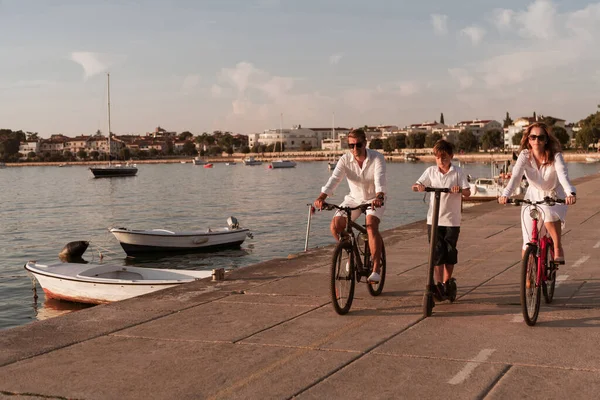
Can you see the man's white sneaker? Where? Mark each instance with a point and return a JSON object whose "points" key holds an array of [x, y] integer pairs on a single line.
{"points": [[374, 277]]}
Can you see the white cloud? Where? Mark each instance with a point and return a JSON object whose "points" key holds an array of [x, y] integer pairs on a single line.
{"points": [[190, 82], [408, 88], [503, 18], [474, 33], [465, 80], [334, 59], [93, 63], [538, 21], [440, 24]]}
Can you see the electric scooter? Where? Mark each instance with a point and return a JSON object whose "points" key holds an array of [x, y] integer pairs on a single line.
{"points": [[428, 301]]}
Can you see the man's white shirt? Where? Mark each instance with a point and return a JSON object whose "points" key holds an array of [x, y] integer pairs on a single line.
{"points": [[364, 182]]}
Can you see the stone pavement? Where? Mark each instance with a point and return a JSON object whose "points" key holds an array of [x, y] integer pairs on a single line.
{"points": [[269, 330]]}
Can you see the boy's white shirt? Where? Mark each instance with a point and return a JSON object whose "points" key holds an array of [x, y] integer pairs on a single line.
{"points": [[450, 213]]}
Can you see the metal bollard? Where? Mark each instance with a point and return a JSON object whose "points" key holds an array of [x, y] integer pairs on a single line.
{"points": [[310, 212], [218, 274]]}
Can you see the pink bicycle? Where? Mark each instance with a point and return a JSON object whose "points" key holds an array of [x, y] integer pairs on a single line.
{"points": [[538, 268]]}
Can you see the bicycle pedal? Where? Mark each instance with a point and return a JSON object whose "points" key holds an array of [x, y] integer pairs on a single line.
{"points": [[560, 262]]}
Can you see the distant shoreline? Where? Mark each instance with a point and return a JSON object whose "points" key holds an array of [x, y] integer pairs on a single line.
{"points": [[308, 156]]}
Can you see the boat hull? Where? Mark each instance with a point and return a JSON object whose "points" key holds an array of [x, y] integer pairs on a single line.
{"points": [[138, 242], [283, 164], [113, 172], [80, 283]]}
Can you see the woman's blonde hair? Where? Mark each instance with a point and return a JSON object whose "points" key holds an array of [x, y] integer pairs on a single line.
{"points": [[551, 146]]}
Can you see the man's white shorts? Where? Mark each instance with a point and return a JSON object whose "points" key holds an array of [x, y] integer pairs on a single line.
{"points": [[378, 212]]}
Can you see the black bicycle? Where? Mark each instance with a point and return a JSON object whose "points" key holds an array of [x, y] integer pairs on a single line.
{"points": [[352, 260]]}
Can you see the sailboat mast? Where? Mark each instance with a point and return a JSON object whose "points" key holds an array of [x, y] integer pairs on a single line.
{"points": [[280, 133], [333, 130], [108, 96]]}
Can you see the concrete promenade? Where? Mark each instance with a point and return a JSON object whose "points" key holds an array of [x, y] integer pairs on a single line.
{"points": [[269, 330]]}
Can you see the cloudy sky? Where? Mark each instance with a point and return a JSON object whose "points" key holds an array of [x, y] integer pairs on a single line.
{"points": [[237, 65]]}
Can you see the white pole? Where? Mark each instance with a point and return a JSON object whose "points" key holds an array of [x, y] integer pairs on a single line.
{"points": [[310, 212], [280, 133], [109, 147]]}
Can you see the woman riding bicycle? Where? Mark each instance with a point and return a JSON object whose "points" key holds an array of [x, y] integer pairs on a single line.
{"points": [[544, 167], [365, 171]]}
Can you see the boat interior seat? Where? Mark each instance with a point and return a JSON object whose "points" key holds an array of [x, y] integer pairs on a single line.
{"points": [[125, 275]]}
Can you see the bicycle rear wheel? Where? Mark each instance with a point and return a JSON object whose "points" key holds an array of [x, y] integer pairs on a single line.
{"points": [[342, 278], [375, 289], [530, 291], [550, 284]]}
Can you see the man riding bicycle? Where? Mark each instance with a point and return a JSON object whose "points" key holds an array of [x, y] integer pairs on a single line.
{"points": [[365, 171]]}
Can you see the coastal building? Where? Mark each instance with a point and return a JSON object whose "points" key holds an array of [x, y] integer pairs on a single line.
{"points": [[77, 144], [297, 138], [479, 126], [29, 146], [54, 145]]}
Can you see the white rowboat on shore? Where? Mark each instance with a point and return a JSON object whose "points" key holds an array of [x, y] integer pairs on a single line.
{"points": [[105, 283]]}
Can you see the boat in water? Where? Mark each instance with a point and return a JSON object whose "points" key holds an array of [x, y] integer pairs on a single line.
{"points": [[198, 161], [592, 160], [110, 170], [208, 165], [282, 164], [251, 161], [105, 283], [136, 242]]}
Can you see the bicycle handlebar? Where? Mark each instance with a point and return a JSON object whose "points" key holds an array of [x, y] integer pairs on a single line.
{"points": [[547, 200], [441, 190], [361, 207]]}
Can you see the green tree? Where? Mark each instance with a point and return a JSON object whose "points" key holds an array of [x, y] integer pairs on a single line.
{"points": [[507, 121], [82, 154], [562, 136], [416, 140], [31, 155], [388, 146], [94, 154], [401, 141], [185, 135], [587, 136], [442, 119], [467, 141], [245, 149], [189, 149], [229, 150], [125, 153], [376, 144], [516, 140], [32, 136], [431, 139], [491, 139], [153, 152]]}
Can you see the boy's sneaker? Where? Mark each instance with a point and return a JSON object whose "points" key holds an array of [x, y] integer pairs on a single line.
{"points": [[451, 289], [439, 292]]}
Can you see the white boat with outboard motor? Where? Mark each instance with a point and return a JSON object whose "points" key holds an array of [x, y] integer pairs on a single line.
{"points": [[105, 283], [135, 241]]}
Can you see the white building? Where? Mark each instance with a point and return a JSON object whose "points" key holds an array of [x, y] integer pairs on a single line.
{"points": [[29, 146], [292, 139], [479, 126]]}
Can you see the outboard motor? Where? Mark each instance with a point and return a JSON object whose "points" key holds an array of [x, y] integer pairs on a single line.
{"points": [[233, 223], [74, 249]]}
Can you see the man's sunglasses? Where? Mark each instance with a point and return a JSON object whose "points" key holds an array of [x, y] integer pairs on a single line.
{"points": [[539, 138], [358, 145]]}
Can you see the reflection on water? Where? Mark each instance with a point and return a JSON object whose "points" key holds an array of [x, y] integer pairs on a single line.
{"points": [[69, 204], [51, 308]]}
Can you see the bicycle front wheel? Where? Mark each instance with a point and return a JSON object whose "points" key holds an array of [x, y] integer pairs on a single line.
{"points": [[375, 289], [342, 278], [530, 290], [550, 284]]}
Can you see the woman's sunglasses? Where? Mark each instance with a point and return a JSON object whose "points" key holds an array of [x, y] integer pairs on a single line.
{"points": [[539, 138], [358, 145]]}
